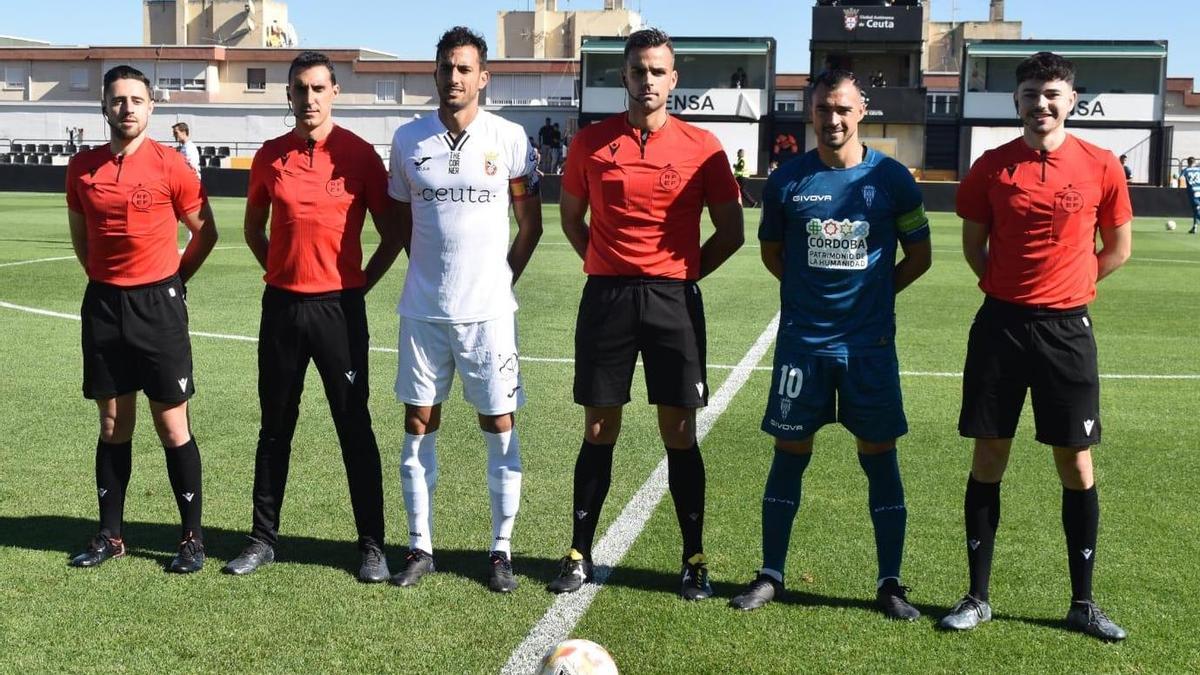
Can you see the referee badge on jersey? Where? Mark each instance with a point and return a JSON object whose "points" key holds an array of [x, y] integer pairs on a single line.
{"points": [[490, 162], [336, 187], [141, 199]]}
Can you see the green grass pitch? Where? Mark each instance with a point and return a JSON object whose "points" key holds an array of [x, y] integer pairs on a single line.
{"points": [[307, 612]]}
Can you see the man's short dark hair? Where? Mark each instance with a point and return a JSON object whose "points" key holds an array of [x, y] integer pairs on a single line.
{"points": [[833, 78], [182, 126], [647, 38], [124, 73], [461, 36], [1191, 160], [310, 59], [1046, 67]]}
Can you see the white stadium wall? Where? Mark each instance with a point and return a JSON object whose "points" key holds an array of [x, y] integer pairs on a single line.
{"points": [[1132, 142], [243, 127]]}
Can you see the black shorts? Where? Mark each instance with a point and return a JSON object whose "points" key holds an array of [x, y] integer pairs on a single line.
{"points": [[137, 338], [1052, 354], [663, 319]]}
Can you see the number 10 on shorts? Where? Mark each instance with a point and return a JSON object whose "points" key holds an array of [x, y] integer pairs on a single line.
{"points": [[791, 381]]}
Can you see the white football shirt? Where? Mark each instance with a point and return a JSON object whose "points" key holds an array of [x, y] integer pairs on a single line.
{"points": [[458, 187]]}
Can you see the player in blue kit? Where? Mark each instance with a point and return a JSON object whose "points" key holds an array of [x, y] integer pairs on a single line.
{"points": [[1190, 177], [831, 222]]}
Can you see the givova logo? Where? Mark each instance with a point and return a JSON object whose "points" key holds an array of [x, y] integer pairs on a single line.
{"points": [[812, 198]]}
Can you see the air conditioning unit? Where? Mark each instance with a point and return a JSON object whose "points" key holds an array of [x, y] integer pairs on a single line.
{"points": [[161, 95]]}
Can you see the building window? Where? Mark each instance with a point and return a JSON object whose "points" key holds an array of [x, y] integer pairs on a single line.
{"points": [[256, 79], [385, 91], [79, 79], [788, 101], [186, 75], [14, 77]]}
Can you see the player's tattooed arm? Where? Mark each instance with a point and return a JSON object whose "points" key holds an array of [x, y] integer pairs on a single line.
{"points": [[78, 224], [203, 225], [975, 246], [572, 210], [728, 236]]}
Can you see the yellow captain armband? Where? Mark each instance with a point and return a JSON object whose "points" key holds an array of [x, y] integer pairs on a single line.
{"points": [[912, 220]]}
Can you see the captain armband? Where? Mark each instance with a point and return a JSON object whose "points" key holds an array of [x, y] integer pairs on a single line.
{"points": [[525, 186], [911, 221]]}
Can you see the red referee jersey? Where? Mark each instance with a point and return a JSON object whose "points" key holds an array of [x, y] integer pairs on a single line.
{"points": [[133, 204], [319, 196], [1042, 210], [646, 199]]}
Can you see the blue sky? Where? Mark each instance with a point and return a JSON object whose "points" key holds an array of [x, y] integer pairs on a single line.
{"points": [[410, 29]]}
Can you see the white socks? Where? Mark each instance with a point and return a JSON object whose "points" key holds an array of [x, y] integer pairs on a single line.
{"points": [[418, 478], [504, 485]]}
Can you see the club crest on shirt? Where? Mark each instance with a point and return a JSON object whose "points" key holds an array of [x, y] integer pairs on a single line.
{"points": [[141, 199], [670, 179], [868, 193], [336, 187], [490, 165]]}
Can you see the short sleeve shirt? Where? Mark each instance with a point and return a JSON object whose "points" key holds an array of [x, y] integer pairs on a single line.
{"points": [[459, 191], [840, 229], [1042, 210], [646, 198], [132, 204], [319, 197]]}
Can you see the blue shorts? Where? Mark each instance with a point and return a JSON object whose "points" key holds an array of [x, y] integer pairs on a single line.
{"points": [[809, 391]]}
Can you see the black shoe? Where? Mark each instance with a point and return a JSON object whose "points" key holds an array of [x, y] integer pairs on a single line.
{"points": [[100, 548], [254, 556], [374, 567], [1087, 617], [573, 572], [693, 579], [759, 592], [967, 614], [417, 564], [501, 579], [892, 600], [190, 557]]}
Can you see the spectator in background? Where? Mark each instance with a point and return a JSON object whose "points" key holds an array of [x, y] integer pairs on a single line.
{"points": [[739, 79], [740, 174], [184, 146], [771, 166], [785, 147], [878, 80], [1125, 166], [556, 146], [545, 140]]}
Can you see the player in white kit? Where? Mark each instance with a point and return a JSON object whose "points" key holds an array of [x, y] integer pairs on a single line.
{"points": [[455, 175]]}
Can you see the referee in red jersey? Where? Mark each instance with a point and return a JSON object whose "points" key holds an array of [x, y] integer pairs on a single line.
{"points": [[316, 184], [645, 176], [124, 200], [1031, 209]]}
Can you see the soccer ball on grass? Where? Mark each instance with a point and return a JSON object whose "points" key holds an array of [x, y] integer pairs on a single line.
{"points": [[1170, 226], [577, 657]]}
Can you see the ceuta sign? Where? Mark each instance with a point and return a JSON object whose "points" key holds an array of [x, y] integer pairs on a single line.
{"points": [[852, 18]]}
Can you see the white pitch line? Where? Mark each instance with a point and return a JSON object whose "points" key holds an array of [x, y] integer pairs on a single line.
{"points": [[39, 260], [547, 359], [560, 619]]}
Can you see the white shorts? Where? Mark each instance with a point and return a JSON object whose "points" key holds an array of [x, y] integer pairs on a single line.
{"points": [[484, 353]]}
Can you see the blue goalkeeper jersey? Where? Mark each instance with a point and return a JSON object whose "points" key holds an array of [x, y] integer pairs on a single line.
{"points": [[840, 229]]}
